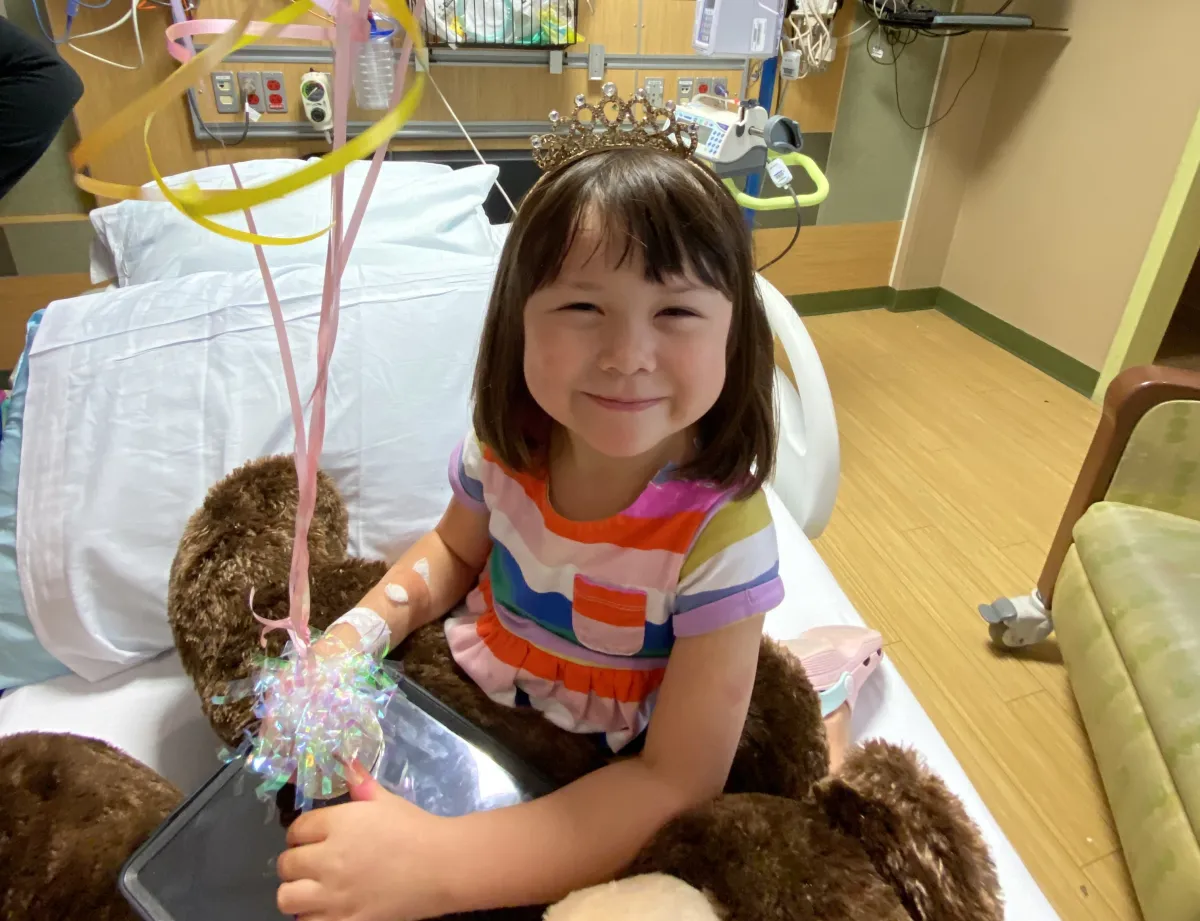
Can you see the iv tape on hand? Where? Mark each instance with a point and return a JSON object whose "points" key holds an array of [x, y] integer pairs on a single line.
{"points": [[372, 629], [199, 204]]}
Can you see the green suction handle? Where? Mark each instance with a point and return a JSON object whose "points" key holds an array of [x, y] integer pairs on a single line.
{"points": [[781, 202]]}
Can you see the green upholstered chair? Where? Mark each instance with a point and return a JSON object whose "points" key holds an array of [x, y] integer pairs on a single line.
{"points": [[1122, 586]]}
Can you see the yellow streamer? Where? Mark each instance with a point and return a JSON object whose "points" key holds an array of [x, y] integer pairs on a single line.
{"points": [[198, 204], [232, 233], [207, 202], [158, 98]]}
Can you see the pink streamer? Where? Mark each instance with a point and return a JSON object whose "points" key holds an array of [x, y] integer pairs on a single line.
{"points": [[180, 17], [186, 29], [308, 449]]}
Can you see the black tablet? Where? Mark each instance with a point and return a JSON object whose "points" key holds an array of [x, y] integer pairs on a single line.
{"points": [[214, 856]]}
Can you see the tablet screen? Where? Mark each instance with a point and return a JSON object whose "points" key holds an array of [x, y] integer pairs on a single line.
{"points": [[214, 858]]}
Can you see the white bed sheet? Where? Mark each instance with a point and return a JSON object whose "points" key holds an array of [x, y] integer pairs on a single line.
{"points": [[152, 711], [887, 708]]}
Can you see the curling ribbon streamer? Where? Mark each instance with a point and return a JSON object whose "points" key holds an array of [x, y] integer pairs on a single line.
{"points": [[308, 448], [159, 97], [207, 202], [199, 204]]}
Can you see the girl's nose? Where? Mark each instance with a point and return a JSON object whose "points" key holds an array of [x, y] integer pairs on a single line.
{"points": [[628, 349]]}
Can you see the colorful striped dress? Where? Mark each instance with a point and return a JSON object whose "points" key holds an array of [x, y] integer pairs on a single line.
{"points": [[578, 618]]}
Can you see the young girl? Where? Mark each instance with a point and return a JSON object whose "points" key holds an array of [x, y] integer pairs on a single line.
{"points": [[610, 526]]}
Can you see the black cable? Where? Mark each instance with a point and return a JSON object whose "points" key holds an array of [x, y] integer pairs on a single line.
{"points": [[204, 126], [795, 236], [895, 38], [953, 102]]}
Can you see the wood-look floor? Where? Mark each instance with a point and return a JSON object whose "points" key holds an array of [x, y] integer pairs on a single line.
{"points": [[957, 459]]}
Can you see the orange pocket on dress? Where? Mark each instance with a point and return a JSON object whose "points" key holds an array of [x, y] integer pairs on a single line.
{"points": [[608, 619]]}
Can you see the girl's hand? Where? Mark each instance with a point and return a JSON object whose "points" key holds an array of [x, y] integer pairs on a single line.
{"points": [[378, 858], [340, 639]]}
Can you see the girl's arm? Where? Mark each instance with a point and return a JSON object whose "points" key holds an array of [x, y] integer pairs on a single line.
{"points": [[434, 573], [588, 831]]}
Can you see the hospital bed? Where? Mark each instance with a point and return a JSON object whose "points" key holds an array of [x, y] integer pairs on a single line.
{"points": [[141, 396]]}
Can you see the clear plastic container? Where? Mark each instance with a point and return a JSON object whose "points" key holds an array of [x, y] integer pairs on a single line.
{"points": [[375, 70]]}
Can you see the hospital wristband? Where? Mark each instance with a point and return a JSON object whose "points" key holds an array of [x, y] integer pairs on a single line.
{"points": [[373, 629]]}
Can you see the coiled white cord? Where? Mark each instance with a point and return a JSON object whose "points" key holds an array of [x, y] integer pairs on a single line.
{"points": [[808, 32], [137, 37]]}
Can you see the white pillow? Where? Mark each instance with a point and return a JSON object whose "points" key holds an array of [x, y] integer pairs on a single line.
{"points": [[424, 204], [142, 398]]}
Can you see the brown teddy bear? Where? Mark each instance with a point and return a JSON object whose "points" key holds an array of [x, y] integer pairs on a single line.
{"points": [[72, 810], [883, 840]]}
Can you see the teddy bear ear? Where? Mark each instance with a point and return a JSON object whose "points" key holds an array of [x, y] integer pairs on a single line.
{"points": [[916, 834]]}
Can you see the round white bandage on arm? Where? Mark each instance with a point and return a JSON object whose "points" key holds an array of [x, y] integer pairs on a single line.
{"points": [[421, 568], [370, 626]]}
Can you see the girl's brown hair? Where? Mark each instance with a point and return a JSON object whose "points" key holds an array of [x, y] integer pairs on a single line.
{"points": [[678, 219]]}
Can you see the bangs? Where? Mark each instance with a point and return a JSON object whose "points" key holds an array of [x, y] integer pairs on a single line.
{"points": [[640, 204]]}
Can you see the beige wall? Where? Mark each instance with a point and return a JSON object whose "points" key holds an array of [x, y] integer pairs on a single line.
{"points": [[1053, 175]]}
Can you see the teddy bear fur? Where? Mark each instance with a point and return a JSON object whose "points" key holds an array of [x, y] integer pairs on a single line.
{"points": [[72, 810], [883, 841]]}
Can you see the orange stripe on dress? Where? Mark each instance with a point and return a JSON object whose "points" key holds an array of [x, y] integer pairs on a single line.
{"points": [[673, 534], [623, 686], [612, 606]]}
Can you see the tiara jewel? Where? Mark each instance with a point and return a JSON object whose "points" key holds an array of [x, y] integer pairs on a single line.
{"points": [[613, 123]]}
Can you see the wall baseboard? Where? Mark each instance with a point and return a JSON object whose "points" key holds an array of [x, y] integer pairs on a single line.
{"points": [[887, 298], [1059, 365]]}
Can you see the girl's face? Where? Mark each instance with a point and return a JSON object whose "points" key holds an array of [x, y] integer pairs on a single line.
{"points": [[621, 362]]}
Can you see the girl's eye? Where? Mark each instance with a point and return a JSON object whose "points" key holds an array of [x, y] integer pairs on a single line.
{"points": [[678, 312], [581, 307]]}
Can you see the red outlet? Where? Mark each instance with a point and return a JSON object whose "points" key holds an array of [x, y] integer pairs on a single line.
{"points": [[252, 99], [701, 87], [275, 100], [273, 85]]}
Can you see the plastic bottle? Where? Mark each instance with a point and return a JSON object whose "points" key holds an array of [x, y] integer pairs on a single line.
{"points": [[375, 71]]}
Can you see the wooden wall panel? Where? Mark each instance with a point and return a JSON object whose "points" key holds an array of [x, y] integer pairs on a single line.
{"points": [[813, 101], [476, 93], [829, 257], [825, 258], [108, 89], [20, 296]]}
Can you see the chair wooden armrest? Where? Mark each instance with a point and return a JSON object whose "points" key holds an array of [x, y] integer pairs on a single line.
{"points": [[1130, 396]]}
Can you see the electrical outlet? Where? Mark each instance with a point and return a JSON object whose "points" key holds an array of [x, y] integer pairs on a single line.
{"points": [[684, 88], [703, 85], [275, 90], [720, 86], [226, 94], [252, 90], [655, 87]]}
